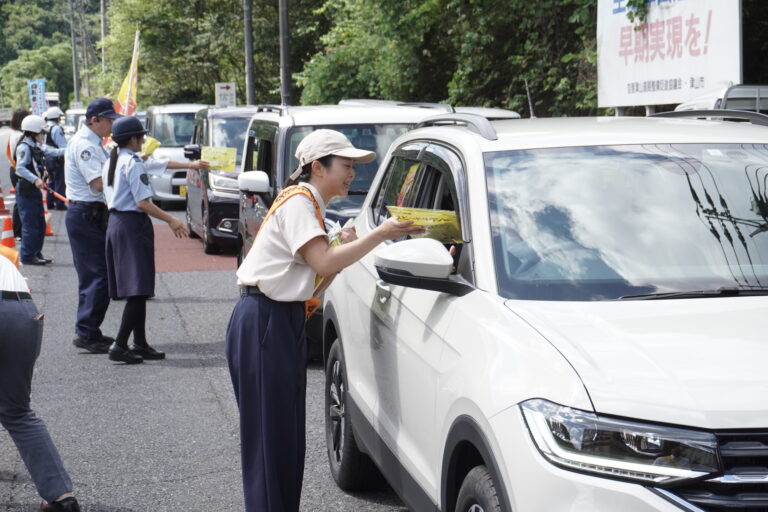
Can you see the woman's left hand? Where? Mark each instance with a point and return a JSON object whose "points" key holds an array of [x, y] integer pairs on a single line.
{"points": [[179, 229], [348, 235]]}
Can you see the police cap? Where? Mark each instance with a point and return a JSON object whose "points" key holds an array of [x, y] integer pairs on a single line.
{"points": [[127, 127]]}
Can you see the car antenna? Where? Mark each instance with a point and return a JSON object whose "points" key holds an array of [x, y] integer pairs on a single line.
{"points": [[530, 103]]}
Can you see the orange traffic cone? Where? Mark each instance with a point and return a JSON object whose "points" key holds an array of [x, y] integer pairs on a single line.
{"points": [[11, 254], [7, 239], [48, 230]]}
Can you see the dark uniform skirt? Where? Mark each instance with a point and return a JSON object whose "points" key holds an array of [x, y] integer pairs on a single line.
{"points": [[130, 254]]}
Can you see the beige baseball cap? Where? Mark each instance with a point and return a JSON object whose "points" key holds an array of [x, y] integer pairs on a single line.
{"points": [[326, 142]]}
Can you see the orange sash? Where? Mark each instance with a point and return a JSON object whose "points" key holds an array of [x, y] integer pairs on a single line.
{"points": [[311, 305]]}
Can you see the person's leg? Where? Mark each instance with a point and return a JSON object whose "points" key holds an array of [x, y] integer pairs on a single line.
{"points": [[30, 205], [87, 238], [19, 348], [264, 350], [16, 219], [133, 315]]}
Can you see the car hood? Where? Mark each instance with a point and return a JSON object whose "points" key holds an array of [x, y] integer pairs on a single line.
{"points": [[698, 362]]}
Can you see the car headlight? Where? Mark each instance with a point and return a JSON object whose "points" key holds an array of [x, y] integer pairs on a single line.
{"points": [[647, 453], [222, 183]]}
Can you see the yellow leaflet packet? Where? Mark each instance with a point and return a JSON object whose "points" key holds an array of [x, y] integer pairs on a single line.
{"points": [[150, 145], [221, 159], [442, 225]]}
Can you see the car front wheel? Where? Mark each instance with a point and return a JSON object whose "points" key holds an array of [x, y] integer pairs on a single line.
{"points": [[478, 492], [351, 469]]}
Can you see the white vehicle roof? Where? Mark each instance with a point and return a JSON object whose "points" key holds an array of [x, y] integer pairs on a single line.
{"points": [[596, 131], [176, 108], [343, 114]]}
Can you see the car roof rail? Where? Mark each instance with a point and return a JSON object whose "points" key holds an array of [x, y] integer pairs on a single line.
{"points": [[753, 117], [426, 104], [474, 122], [362, 102], [281, 110]]}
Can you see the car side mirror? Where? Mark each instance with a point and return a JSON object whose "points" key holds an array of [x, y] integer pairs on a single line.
{"points": [[254, 182], [422, 263], [192, 152]]}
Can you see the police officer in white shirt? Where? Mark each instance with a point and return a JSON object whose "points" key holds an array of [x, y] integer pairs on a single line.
{"points": [[130, 249], [266, 344], [19, 347], [86, 223]]}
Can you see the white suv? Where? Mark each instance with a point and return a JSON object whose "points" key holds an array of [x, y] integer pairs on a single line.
{"points": [[597, 342]]}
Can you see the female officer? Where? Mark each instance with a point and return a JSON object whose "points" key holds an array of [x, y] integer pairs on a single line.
{"points": [[31, 174], [266, 346], [130, 248]]}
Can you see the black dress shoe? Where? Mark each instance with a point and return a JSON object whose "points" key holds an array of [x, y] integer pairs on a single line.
{"points": [[66, 505], [124, 355], [92, 346], [47, 260], [35, 261], [147, 352]]}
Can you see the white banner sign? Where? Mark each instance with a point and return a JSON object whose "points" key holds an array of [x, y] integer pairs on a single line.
{"points": [[684, 49], [226, 94]]}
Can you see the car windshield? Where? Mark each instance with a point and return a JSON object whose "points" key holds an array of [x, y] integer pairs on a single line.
{"points": [[173, 130], [229, 132], [73, 119], [595, 223]]}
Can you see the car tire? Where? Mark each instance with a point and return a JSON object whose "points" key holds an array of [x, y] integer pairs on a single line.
{"points": [[192, 233], [208, 246], [351, 469], [478, 492]]}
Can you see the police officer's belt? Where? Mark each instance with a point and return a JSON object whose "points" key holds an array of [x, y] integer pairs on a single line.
{"points": [[89, 203], [6, 295]]}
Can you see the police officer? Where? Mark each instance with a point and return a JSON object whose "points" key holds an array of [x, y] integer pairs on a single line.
{"points": [[31, 173], [86, 223], [10, 152], [266, 344], [55, 165], [19, 347], [130, 249]]}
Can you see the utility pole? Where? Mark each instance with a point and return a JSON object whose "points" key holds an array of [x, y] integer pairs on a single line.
{"points": [[75, 80], [248, 29], [103, 35], [285, 55]]}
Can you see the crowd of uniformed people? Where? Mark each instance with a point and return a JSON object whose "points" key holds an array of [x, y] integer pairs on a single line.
{"points": [[108, 203]]}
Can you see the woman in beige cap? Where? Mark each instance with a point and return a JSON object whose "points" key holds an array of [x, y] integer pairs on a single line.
{"points": [[266, 344]]}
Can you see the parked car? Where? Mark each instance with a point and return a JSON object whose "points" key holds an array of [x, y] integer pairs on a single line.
{"points": [[72, 120], [172, 125], [273, 135], [213, 196], [583, 329], [752, 98]]}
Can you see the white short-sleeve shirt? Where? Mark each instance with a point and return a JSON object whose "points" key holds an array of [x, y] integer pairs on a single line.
{"points": [[11, 279], [274, 263]]}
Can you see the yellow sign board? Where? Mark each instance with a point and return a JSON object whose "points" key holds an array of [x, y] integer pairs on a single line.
{"points": [[442, 225], [221, 159]]}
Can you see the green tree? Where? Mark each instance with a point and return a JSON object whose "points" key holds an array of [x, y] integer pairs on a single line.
{"points": [[52, 62]]}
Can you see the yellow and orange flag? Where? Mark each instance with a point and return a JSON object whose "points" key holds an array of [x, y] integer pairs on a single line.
{"points": [[125, 103]]}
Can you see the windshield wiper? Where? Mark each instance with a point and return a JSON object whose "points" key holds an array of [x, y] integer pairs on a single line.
{"points": [[724, 291]]}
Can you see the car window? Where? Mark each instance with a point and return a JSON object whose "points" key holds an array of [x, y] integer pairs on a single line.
{"points": [[260, 153], [399, 187], [229, 132], [173, 130]]}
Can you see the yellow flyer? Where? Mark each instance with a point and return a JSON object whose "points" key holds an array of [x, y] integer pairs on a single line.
{"points": [[150, 145], [442, 225], [221, 159]]}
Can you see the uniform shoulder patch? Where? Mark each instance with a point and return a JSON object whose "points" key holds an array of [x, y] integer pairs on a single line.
{"points": [[136, 158], [85, 155], [144, 178]]}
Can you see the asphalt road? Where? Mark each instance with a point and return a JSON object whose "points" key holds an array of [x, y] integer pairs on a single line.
{"points": [[163, 435]]}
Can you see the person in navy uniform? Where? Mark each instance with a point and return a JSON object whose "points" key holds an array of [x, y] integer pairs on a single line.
{"points": [[10, 152], [86, 223], [130, 249], [265, 342], [19, 348], [55, 166], [30, 170]]}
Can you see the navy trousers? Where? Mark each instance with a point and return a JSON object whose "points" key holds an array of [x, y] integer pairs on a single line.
{"points": [[32, 224], [87, 235], [267, 355], [19, 348]]}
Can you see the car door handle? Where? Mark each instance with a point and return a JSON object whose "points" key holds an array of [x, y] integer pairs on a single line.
{"points": [[383, 291]]}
